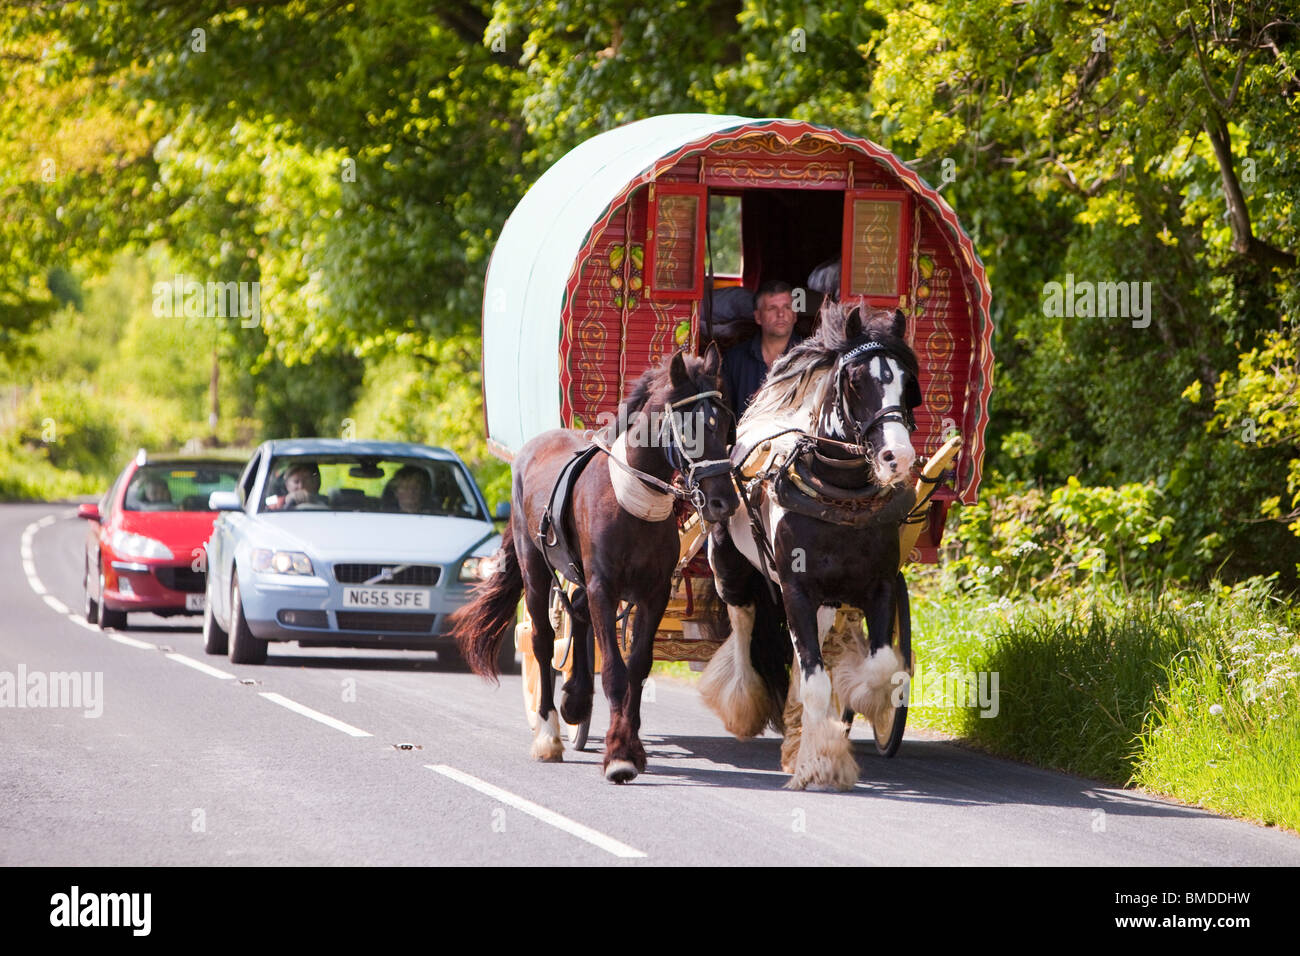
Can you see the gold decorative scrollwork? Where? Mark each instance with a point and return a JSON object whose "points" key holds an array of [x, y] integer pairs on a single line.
{"points": [[771, 141]]}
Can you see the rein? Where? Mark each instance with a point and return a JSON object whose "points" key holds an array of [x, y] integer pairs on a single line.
{"points": [[796, 488], [859, 448], [692, 469]]}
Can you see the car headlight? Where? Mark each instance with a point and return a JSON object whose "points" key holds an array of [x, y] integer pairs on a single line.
{"points": [[281, 562], [132, 545], [477, 569]]}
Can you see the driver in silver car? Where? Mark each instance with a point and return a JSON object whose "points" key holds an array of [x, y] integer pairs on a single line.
{"points": [[302, 486]]}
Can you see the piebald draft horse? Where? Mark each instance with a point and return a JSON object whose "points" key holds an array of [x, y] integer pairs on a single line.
{"points": [[839, 407], [674, 422]]}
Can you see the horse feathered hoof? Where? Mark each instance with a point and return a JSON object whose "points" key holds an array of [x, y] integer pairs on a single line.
{"points": [[547, 745], [620, 771], [790, 749], [546, 751], [732, 689], [825, 760]]}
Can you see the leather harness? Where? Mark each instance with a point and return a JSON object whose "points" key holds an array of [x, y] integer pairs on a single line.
{"points": [[852, 498], [554, 533], [854, 501]]}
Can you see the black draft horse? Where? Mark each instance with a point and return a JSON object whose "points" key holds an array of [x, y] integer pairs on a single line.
{"points": [[839, 406], [674, 421]]}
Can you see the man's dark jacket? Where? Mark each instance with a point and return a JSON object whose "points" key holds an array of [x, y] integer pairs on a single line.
{"points": [[743, 371]]}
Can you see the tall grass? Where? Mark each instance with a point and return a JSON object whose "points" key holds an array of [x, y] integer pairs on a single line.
{"points": [[1226, 733], [1194, 695]]}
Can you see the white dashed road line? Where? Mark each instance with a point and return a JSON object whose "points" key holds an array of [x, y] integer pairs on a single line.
{"points": [[200, 666], [130, 641], [316, 715], [538, 812], [572, 827]]}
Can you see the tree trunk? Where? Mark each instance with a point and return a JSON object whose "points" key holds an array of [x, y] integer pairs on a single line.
{"points": [[1244, 241]]}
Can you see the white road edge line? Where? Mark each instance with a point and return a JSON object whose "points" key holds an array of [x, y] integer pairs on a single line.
{"points": [[28, 557], [199, 666], [572, 827], [34, 582], [316, 715]]}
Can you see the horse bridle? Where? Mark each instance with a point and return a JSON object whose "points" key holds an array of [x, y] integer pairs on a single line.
{"points": [[899, 414], [693, 470]]}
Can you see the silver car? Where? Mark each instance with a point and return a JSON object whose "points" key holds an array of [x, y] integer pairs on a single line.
{"points": [[344, 544]]}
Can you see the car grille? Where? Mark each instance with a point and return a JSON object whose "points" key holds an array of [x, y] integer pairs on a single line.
{"points": [[182, 579], [412, 575], [385, 621]]}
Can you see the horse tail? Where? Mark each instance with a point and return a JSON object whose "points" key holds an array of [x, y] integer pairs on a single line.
{"points": [[771, 652], [481, 625]]}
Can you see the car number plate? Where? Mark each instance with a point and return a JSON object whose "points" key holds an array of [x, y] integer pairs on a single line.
{"points": [[195, 602], [387, 599]]}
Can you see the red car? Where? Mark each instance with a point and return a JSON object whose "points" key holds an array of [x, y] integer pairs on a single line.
{"points": [[145, 551]]}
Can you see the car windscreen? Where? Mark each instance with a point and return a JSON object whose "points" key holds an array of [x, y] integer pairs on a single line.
{"points": [[179, 487], [351, 483]]}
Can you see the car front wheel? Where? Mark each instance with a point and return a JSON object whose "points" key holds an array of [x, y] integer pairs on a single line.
{"points": [[92, 606], [244, 647], [107, 618], [215, 640]]}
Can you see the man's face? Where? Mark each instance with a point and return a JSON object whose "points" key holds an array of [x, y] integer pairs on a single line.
{"points": [[775, 314], [302, 479]]}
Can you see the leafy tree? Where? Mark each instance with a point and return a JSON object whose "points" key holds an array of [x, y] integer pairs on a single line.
{"points": [[357, 161]]}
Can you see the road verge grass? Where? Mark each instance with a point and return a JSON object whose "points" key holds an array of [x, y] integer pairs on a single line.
{"points": [[1194, 695]]}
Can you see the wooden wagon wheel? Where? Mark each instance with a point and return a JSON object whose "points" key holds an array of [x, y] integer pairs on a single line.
{"points": [[887, 744]]}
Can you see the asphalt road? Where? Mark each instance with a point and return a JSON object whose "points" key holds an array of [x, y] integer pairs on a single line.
{"points": [[191, 762]]}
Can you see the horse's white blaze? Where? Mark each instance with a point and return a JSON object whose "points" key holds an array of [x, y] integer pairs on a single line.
{"points": [[547, 745], [897, 441]]}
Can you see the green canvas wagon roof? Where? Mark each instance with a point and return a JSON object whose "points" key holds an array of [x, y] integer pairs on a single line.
{"points": [[526, 278]]}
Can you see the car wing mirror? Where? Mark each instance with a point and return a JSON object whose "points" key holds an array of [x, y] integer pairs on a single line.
{"points": [[224, 501], [503, 512], [89, 511]]}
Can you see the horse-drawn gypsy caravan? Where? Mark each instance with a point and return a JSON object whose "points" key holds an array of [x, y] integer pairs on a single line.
{"points": [[632, 245]]}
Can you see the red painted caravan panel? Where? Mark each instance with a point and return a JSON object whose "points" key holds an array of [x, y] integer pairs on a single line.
{"points": [[611, 333]]}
